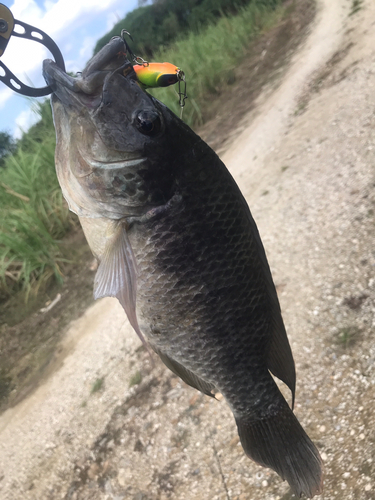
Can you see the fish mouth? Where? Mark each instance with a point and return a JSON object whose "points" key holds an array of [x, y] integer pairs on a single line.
{"points": [[87, 88]]}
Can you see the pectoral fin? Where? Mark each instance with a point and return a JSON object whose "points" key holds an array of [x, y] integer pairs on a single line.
{"points": [[117, 275]]}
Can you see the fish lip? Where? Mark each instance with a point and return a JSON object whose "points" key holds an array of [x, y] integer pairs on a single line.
{"points": [[111, 58], [55, 76]]}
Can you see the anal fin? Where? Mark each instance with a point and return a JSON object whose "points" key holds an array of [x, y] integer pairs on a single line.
{"points": [[186, 375]]}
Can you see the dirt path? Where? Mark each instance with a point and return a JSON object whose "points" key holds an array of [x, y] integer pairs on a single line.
{"points": [[107, 425]]}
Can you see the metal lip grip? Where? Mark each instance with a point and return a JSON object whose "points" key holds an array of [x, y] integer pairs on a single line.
{"points": [[7, 24]]}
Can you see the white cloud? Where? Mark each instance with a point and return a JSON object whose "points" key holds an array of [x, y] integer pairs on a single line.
{"points": [[87, 46], [48, 4], [68, 14], [63, 22], [113, 18], [24, 121], [5, 94], [26, 9]]}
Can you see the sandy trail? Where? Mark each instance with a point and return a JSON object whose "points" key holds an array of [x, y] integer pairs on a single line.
{"points": [[308, 178], [248, 152]]}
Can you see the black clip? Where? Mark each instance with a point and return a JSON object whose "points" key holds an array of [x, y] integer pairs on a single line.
{"points": [[7, 23]]}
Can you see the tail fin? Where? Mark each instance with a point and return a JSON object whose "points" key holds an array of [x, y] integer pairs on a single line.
{"points": [[281, 443]]}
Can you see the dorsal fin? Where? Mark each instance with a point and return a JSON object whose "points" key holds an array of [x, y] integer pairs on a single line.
{"points": [[117, 275], [279, 357]]}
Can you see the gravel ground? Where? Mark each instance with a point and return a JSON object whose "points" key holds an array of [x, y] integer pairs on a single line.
{"points": [[108, 425]]}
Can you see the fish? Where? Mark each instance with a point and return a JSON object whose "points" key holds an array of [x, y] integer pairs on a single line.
{"points": [[177, 245]]}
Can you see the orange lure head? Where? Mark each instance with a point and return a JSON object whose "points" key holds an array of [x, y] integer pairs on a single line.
{"points": [[158, 74]]}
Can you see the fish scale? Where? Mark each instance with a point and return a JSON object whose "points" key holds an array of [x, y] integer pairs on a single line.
{"points": [[234, 308], [177, 245]]}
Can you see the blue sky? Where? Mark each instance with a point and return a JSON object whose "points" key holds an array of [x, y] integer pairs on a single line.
{"points": [[75, 25]]}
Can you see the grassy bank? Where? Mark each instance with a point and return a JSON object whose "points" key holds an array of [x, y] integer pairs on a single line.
{"points": [[209, 59], [35, 217]]}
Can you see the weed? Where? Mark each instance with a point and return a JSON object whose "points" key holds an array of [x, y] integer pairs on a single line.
{"points": [[181, 439], [347, 336], [301, 108], [355, 302], [5, 385], [356, 6], [135, 379], [98, 385]]}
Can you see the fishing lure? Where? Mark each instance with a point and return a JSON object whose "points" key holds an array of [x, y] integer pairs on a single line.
{"points": [[154, 74]]}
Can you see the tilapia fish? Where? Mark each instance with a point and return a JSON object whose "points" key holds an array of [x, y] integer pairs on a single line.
{"points": [[178, 247]]}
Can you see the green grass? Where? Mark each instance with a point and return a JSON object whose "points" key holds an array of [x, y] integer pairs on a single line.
{"points": [[208, 59], [34, 218], [5, 384], [356, 6], [98, 385], [347, 336], [135, 379]]}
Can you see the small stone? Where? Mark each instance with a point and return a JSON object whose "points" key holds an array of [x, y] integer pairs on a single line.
{"points": [[93, 471], [194, 399], [234, 441], [362, 436], [346, 475], [121, 477], [324, 456], [368, 487], [108, 486], [264, 484], [322, 428], [352, 432]]}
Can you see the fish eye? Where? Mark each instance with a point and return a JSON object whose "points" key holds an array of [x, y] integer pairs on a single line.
{"points": [[148, 122]]}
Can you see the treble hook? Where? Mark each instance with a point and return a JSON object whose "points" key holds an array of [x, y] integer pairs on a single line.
{"points": [[136, 59], [7, 24]]}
